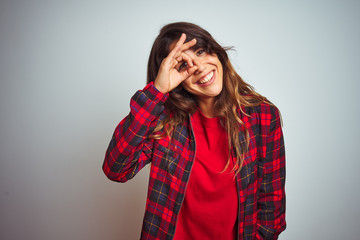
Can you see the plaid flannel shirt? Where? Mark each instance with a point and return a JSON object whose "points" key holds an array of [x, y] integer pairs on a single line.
{"points": [[260, 183]]}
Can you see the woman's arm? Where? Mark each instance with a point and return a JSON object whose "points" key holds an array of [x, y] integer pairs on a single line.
{"points": [[271, 202], [130, 149]]}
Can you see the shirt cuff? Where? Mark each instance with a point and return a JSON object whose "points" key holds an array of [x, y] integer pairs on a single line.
{"points": [[154, 94]]}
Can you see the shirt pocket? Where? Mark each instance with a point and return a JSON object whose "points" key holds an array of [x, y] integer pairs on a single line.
{"points": [[169, 158]]}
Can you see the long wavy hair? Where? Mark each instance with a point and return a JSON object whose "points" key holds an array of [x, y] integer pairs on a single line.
{"points": [[235, 94]]}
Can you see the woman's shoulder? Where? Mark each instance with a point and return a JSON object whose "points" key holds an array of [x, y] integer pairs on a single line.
{"points": [[264, 110]]}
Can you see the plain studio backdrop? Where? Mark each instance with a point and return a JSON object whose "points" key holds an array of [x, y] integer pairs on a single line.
{"points": [[69, 68]]}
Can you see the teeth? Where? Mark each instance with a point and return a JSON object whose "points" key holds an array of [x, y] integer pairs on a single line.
{"points": [[207, 78]]}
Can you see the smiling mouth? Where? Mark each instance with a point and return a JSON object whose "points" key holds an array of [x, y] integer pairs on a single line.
{"points": [[207, 78]]}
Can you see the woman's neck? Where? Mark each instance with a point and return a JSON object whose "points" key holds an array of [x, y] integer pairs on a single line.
{"points": [[207, 107]]}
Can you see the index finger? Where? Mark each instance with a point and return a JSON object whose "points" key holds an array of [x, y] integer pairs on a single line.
{"points": [[178, 45]]}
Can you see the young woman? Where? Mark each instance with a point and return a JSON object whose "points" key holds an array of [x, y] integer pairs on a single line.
{"points": [[215, 145]]}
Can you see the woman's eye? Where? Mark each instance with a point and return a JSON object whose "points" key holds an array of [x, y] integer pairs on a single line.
{"points": [[184, 64], [200, 51]]}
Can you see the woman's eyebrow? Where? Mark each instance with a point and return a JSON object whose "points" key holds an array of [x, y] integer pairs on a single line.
{"points": [[196, 47]]}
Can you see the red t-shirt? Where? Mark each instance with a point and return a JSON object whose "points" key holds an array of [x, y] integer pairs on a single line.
{"points": [[210, 207]]}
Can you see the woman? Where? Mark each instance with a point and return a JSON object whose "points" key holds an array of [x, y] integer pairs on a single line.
{"points": [[215, 145]]}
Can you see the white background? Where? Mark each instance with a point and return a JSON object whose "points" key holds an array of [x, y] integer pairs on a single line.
{"points": [[69, 68]]}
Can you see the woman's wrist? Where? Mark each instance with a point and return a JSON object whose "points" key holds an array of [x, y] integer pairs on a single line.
{"points": [[158, 87]]}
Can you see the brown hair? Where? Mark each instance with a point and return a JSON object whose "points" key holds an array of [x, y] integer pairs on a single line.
{"points": [[235, 93]]}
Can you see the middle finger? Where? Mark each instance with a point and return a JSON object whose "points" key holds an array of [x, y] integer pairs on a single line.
{"points": [[184, 47]]}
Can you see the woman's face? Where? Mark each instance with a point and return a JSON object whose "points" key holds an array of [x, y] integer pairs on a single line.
{"points": [[207, 81]]}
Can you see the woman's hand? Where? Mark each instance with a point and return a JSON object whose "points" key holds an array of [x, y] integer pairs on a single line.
{"points": [[170, 75]]}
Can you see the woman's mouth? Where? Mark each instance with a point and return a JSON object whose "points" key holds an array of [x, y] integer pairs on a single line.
{"points": [[207, 78]]}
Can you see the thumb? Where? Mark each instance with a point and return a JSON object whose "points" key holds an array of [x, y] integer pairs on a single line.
{"points": [[190, 71]]}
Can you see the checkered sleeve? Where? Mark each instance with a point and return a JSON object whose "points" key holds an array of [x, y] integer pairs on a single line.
{"points": [[271, 202], [130, 148]]}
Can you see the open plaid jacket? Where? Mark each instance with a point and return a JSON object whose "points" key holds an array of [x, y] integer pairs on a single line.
{"points": [[261, 212]]}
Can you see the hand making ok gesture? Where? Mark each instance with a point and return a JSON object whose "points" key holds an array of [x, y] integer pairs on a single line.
{"points": [[170, 75]]}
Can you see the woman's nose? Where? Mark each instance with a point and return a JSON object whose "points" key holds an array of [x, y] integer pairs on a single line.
{"points": [[200, 65]]}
